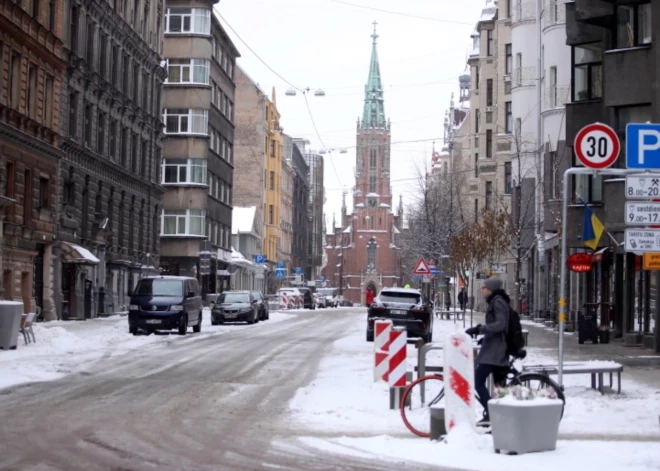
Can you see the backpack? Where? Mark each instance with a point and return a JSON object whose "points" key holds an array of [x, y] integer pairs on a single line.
{"points": [[515, 340]]}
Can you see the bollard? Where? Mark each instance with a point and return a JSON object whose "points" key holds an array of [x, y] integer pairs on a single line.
{"points": [[397, 363], [459, 381], [438, 428], [381, 349]]}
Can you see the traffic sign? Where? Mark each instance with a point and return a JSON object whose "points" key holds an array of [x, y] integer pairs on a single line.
{"points": [[643, 186], [279, 265], [279, 274], [651, 261], [260, 258], [597, 146], [422, 268], [434, 270], [298, 271], [642, 240], [643, 145], [642, 213]]}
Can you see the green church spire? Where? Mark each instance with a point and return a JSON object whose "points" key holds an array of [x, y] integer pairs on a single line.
{"points": [[374, 104]]}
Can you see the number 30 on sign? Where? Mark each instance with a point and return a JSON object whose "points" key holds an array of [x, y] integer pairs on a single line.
{"points": [[597, 146]]}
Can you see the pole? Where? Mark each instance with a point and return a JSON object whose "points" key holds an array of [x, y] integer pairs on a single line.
{"points": [[539, 158]]}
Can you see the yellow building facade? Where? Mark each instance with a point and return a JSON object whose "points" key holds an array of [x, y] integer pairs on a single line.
{"points": [[272, 204]]}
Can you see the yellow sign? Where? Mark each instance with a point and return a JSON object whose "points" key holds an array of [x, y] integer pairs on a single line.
{"points": [[562, 317], [652, 261], [562, 302]]}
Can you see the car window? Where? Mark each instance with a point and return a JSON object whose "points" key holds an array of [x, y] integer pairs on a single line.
{"points": [[396, 297], [234, 298], [159, 287], [256, 294]]}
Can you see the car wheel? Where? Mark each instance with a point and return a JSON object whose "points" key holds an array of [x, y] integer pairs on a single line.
{"points": [[183, 327], [133, 330], [370, 336], [267, 315], [252, 320], [198, 328], [214, 322]]}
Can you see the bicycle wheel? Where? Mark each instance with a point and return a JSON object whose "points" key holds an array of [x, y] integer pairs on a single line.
{"points": [[416, 402], [543, 381]]}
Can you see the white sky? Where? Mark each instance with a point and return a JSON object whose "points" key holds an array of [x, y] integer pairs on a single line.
{"points": [[326, 44]]}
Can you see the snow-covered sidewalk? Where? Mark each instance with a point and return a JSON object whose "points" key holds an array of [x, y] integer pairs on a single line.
{"points": [[65, 347], [345, 411]]}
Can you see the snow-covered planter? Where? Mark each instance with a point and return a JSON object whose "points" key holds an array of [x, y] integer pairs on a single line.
{"points": [[523, 421]]}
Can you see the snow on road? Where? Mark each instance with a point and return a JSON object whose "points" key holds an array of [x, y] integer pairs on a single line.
{"points": [[65, 347], [345, 411]]}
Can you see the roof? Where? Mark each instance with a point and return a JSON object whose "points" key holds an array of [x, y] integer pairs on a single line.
{"points": [[401, 290], [373, 115], [242, 219]]}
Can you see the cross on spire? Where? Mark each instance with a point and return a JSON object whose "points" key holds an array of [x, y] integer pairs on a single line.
{"points": [[375, 36]]}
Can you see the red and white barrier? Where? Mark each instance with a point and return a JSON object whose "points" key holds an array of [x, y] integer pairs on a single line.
{"points": [[293, 301], [301, 301], [459, 381], [397, 357], [283, 301], [382, 330]]}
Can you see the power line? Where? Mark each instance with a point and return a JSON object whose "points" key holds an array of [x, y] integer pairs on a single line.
{"points": [[408, 15]]}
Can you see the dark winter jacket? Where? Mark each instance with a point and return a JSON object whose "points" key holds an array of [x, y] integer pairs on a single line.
{"points": [[493, 345]]}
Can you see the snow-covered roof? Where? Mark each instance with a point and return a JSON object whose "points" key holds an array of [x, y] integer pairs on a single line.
{"points": [[464, 105], [242, 219], [238, 258], [348, 230], [373, 195], [396, 230], [489, 11]]}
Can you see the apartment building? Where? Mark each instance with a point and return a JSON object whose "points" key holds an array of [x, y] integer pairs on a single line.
{"points": [[272, 205]]}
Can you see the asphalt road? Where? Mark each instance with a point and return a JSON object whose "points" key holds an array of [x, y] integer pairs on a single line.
{"points": [[216, 403]]}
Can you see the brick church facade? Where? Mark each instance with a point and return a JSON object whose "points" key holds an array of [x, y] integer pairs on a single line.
{"points": [[363, 250]]}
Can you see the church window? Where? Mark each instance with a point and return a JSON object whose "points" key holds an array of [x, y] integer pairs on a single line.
{"points": [[372, 159], [371, 255], [372, 183]]}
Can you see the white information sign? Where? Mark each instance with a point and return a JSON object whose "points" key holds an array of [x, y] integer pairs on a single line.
{"points": [[642, 240], [643, 186], [642, 213]]}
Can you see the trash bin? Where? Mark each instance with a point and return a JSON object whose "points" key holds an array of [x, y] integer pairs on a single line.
{"points": [[10, 322], [588, 324]]}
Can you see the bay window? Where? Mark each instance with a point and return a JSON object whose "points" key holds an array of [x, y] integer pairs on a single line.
{"points": [[633, 25], [188, 20], [587, 72], [183, 222], [188, 71], [184, 171], [186, 121]]}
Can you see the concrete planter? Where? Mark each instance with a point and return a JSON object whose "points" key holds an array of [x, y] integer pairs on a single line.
{"points": [[524, 426]]}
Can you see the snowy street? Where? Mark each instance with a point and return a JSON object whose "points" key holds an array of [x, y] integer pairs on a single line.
{"points": [[294, 393]]}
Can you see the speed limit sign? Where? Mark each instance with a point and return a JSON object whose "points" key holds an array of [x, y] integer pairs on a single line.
{"points": [[597, 146]]}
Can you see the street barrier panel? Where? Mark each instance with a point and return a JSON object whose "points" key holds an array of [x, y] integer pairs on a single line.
{"points": [[382, 330], [459, 381], [398, 367]]}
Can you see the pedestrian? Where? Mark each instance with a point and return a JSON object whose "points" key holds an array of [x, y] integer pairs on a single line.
{"points": [[492, 358], [461, 299], [370, 297]]}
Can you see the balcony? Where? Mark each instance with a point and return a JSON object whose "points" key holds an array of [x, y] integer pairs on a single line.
{"points": [[594, 12], [523, 77], [523, 10], [579, 114], [556, 96], [577, 31], [623, 68]]}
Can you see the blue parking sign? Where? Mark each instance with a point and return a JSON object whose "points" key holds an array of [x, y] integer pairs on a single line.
{"points": [[260, 258], [280, 264], [643, 145]]}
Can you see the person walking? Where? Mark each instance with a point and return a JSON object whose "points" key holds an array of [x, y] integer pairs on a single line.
{"points": [[369, 297], [492, 358]]}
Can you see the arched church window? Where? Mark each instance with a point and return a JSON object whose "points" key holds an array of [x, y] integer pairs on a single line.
{"points": [[371, 255]]}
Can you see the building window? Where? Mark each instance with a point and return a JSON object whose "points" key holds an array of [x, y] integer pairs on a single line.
{"points": [[489, 195], [508, 8], [477, 78], [126, 71], [508, 67], [188, 20], [114, 66], [89, 109], [518, 126], [489, 92], [271, 214], [508, 178], [633, 25], [27, 197], [73, 29], [184, 121], [476, 164], [10, 188], [509, 117], [184, 222], [51, 15], [14, 85], [489, 42], [552, 89], [518, 78], [135, 157], [587, 72], [272, 180], [100, 136], [272, 148], [489, 144], [31, 89], [73, 115], [372, 183], [48, 100], [91, 30], [103, 55], [188, 71], [372, 159], [371, 255], [179, 171], [44, 192], [125, 144], [477, 118]]}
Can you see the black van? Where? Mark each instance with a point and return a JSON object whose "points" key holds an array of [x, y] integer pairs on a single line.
{"points": [[165, 303]]}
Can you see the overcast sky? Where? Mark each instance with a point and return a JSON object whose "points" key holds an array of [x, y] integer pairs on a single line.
{"points": [[326, 44]]}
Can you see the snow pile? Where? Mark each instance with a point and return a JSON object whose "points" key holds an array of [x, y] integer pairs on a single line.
{"points": [[464, 437]]}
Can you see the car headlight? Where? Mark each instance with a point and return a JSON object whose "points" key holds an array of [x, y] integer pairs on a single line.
{"points": [[133, 307], [176, 308]]}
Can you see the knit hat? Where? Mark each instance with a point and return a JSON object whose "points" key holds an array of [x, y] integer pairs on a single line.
{"points": [[493, 284]]}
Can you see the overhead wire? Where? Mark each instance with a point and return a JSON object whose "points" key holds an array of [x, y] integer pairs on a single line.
{"points": [[408, 15]]}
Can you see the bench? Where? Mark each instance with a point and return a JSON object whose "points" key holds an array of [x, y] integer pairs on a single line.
{"points": [[594, 368]]}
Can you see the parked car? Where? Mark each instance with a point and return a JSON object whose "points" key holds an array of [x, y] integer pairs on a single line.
{"points": [[320, 301], [406, 308], [308, 297], [165, 303], [235, 306], [262, 304], [344, 302], [331, 296]]}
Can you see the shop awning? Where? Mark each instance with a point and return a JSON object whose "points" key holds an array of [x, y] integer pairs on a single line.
{"points": [[72, 253]]}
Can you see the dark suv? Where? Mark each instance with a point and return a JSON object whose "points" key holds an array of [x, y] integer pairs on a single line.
{"points": [[308, 298], [406, 308]]}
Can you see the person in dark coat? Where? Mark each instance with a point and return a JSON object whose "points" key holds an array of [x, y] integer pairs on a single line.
{"points": [[369, 297], [461, 299], [492, 357]]}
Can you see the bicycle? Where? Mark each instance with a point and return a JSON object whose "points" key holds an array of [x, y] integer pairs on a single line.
{"points": [[415, 410]]}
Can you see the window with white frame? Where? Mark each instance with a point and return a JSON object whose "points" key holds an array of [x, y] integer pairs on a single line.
{"points": [[186, 121], [188, 71], [184, 171], [187, 21], [183, 222]]}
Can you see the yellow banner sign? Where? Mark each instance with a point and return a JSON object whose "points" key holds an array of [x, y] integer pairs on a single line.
{"points": [[652, 261]]}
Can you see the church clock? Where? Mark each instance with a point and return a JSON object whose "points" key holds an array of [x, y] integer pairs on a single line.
{"points": [[372, 202]]}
